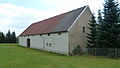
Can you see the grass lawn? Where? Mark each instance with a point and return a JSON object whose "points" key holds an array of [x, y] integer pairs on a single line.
{"points": [[14, 56]]}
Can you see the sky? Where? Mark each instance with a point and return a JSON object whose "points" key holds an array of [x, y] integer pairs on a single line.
{"points": [[17, 15]]}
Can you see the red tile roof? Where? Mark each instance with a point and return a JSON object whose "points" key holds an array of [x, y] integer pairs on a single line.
{"points": [[59, 23], [45, 26]]}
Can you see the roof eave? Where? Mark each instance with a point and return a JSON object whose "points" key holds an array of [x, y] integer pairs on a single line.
{"points": [[44, 33]]}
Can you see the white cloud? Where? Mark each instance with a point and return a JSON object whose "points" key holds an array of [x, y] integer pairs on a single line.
{"points": [[16, 18], [65, 5]]}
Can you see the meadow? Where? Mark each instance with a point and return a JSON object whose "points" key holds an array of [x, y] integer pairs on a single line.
{"points": [[15, 56]]}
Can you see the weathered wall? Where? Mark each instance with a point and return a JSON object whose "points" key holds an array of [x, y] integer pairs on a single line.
{"points": [[35, 41], [54, 42], [76, 35]]}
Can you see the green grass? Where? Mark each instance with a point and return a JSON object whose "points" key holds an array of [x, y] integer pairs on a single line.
{"points": [[14, 56]]}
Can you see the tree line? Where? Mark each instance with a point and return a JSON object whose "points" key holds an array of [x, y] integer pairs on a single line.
{"points": [[8, 38], [105, 31]]}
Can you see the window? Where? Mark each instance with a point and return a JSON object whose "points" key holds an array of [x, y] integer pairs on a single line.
{"points": [[49, 44], [46, 44], [83, 29], [59, 33], [48, 34], [40, 34]]}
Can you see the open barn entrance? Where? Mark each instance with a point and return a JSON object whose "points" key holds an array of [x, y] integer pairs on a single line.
{"points": [[28, 42]]}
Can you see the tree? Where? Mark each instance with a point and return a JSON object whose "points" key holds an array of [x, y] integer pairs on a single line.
{"points": [[8, 37], [100, 30], [100, 19], [110, 25], [92, 36], [2, 37], [13, 37]]}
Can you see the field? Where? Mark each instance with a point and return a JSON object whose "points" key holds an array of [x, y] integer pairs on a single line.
{"points": [[14, 56]]}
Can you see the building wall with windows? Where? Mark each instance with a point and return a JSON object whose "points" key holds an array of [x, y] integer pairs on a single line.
{"points": [[55, 42], [73, 26], [78, 32]]}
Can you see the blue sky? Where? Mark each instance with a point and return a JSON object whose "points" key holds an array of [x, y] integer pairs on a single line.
{"points": [[17, 15]]}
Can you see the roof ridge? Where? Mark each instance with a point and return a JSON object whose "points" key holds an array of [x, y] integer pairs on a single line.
{"points": [[58, 23], [77, 8], [60, 14]]}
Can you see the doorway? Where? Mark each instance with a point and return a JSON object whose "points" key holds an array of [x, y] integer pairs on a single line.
{"points": [[28, 42]]}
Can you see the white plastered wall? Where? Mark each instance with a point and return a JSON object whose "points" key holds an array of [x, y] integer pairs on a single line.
{"points": [[59, 43]]}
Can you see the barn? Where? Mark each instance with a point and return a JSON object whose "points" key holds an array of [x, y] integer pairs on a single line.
{"points": [[60, 34]]}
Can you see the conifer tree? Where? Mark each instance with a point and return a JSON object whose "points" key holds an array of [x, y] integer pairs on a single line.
{"points": [[13, 37], [100, 30], [110, 26], [2, 37], [8, 37], [92, 36]]}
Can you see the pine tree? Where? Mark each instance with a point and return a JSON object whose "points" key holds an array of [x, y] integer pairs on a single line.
{"points": [[8, 37], [100, 19], [2, 37], [13, 37], [100, 31], [110, 26], [92, 36]]}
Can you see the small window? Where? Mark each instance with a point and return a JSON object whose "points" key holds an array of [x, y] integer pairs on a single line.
{"points": [[48, 34], [40, 34], [83, 29], [49, 44], [46, 44], [59, 33]]}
